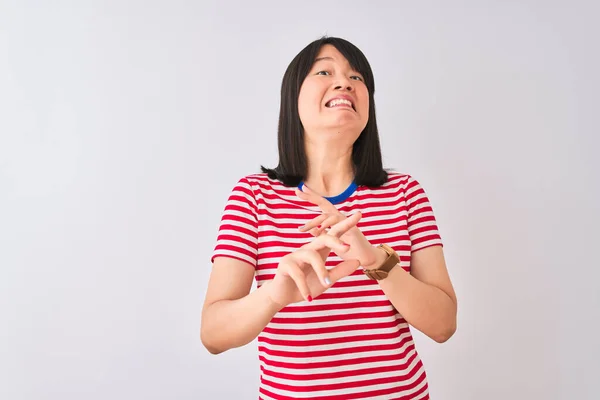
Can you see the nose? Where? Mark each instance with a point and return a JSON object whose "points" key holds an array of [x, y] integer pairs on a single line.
{"points": [[344, 84], [348, 88]]}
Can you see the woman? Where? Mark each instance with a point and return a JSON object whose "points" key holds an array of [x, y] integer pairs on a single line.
{"points": [[345, 255]]}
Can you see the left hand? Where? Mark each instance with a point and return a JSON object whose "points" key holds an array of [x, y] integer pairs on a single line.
{"points": [[360, 248]]}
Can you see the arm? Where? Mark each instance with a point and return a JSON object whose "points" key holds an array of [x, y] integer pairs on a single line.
{"points": [[232, 316], [425, 297]]}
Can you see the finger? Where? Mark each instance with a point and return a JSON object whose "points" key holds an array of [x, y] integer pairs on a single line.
{"points": [[311, 257], [326, 224], [328, 241], [315, 222], [343, 269], [307, 194], [344, 226], [311, 198], [330, 221], [316, 232], [295, 272]]}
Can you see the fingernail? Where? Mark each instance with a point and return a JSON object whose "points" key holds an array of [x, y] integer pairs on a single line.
{"points": [[309, 297], [319, 226], [327, 281], [345, 244]]}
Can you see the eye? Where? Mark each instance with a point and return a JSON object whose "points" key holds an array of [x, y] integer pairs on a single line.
{"points": [[322, 73], [357, 78]]}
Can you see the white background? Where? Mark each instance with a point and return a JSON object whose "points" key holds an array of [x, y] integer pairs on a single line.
{"points": [[125, 124]]}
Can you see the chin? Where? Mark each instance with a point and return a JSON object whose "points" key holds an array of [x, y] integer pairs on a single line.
{"points": [[345, 124]]}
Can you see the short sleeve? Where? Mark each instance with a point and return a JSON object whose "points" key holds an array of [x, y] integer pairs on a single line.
{"points": [[422, 225], [238, 232]]}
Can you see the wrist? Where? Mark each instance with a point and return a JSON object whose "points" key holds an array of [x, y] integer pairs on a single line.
{"points": [[379, 256], [273, 306]]}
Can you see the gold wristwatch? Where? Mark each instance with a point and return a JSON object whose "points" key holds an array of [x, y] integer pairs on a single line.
{"points": [[390, 262]]}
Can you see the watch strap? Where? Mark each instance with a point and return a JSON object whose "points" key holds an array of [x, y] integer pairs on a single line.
{"points": [[383, 270]]}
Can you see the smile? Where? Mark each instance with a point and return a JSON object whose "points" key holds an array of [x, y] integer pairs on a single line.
{"points": [[339, 103]]}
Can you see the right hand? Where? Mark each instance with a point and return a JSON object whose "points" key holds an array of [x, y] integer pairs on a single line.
{"points": [[302, 275]]}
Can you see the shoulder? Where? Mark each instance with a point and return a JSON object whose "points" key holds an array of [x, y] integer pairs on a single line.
{"points": [[260, 184], [398, 181], [260, 180], [403, 185]]}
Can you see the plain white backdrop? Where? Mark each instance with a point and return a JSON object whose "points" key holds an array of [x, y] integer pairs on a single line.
{"points": [[125, 124]]}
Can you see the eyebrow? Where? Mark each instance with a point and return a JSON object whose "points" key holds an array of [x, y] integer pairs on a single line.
{"points": [[333, 59], [324, 58]]}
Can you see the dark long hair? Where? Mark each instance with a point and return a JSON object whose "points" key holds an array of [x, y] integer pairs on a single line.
{"points": [[366, 151]]}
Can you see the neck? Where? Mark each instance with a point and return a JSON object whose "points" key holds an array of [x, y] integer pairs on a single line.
{"points": [[330, 169]]}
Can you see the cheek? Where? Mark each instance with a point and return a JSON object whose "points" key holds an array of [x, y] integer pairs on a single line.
{"points": [[364, 97], [308, 104]]}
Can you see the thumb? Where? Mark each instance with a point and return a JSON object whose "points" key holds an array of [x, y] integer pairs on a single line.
{"points": [[343, 269]]}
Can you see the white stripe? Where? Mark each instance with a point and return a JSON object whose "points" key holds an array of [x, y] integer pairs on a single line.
{"points": [[349, 391], [239, 234], [425, 244], [341, 368], [239, 245], [394, 192], [297, 221], [337, 346], [332, 324], [237, 213], [358, 378], [265, 397], [235, 254], [342, 334], [308, 314], [338, 357]]}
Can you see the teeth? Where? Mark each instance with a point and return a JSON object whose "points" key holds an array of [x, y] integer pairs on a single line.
{"points": [[336, 102]]}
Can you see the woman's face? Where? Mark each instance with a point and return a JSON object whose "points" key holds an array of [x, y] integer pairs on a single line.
{"points": [[333, 98]]}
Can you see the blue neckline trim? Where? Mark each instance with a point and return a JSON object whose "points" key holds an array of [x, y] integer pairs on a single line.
{"points": [[340, 197]]}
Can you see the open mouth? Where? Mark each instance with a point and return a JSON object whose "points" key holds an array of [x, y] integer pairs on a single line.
{"points": [[340, 103]]}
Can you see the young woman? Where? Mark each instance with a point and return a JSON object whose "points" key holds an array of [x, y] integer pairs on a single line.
{"points": [[345, 255]]}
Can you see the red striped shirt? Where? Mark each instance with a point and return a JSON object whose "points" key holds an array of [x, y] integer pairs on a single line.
{"points": [[350, 342]]}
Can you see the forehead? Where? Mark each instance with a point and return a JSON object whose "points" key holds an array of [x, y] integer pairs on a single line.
{"points": [[330, 53]]}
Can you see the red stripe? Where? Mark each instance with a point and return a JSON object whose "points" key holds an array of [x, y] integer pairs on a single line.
{"points": [[236, 218], [344, 374], [377, 212], [235, 238], [310, 211], [224, 248], [331, 329], [425, 239], [339, 306], [369, 282], [253, 213], [331, 318], [330, 364], [335, 340], [359, 384], [217, 255], [389, 221], [412, 210], [344, 295], [241, 229], [333, 352], [416, 394]]}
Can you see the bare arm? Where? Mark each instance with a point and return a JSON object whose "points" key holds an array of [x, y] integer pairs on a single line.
{"points": [[425, 297], [232, 316]]}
